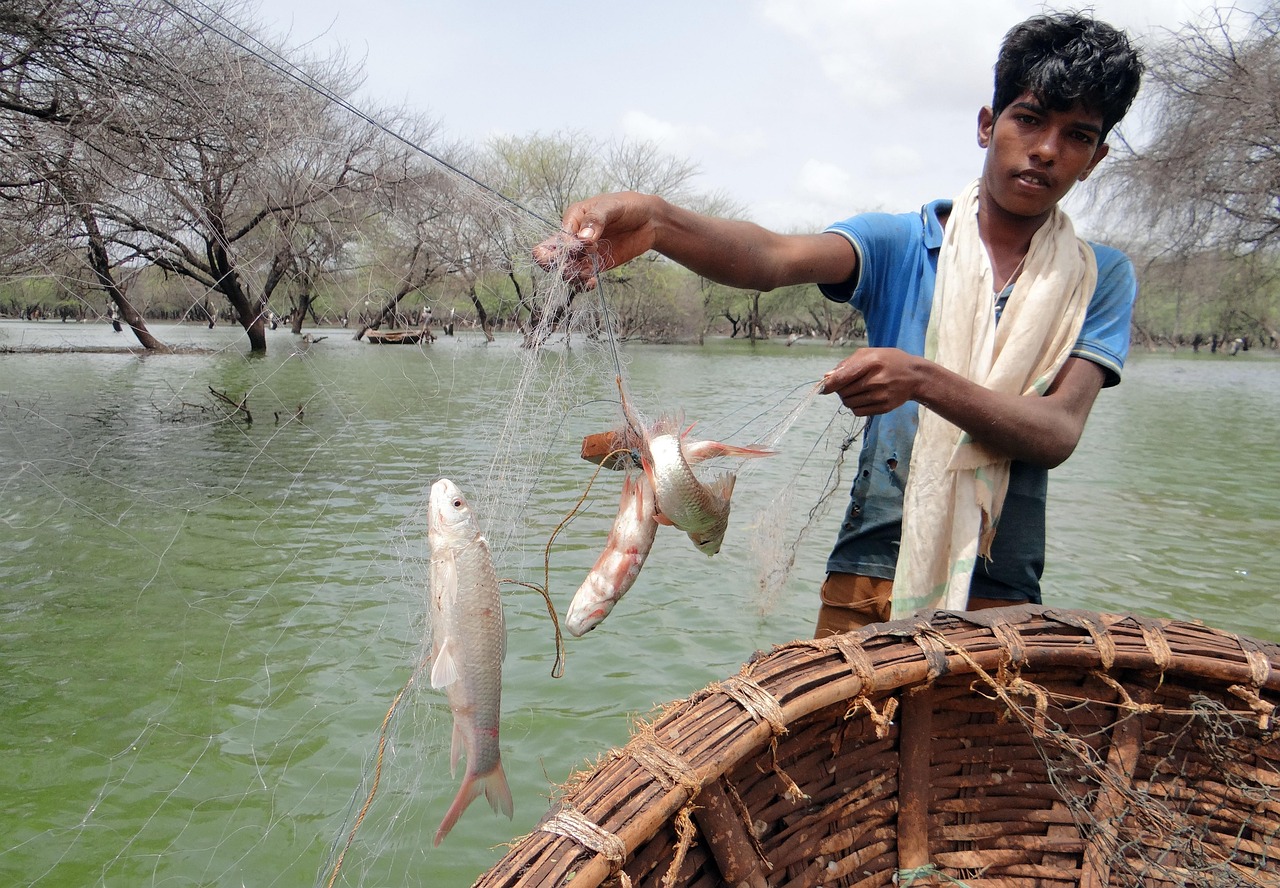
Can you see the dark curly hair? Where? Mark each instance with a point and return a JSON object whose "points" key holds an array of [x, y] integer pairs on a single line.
{"points": [[1065, 58]]}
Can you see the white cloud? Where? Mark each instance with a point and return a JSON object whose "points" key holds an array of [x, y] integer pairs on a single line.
{"points": [[689, 140], [825, 181]]}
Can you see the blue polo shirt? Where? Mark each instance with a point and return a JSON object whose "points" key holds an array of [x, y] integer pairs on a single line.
{"points": [[897, 262]]}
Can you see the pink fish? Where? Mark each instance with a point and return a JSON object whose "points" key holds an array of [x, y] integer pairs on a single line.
{"points": [[468, 645], [629, 542]]}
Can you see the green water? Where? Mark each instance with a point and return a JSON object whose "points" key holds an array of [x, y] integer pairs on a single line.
{"points": [[205, 621]]}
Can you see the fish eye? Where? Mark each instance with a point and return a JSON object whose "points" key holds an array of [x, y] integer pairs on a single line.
{"points": [[458, 503]]}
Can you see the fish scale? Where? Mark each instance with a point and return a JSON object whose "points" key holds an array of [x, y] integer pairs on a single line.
{"points": [[700, 510]]}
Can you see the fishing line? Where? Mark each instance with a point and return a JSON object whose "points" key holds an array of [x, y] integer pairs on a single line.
{"points": [[528, 422], [377, 778], [286, 67], [290, 70], [277, 62], [557, 670], [774, 556]]}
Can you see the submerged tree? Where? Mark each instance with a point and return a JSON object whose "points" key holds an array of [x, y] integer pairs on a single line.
{"points": [[242, 171], [72, 74]]}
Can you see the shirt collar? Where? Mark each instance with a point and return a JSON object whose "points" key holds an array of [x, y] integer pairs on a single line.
{"points": [[932, 227]]}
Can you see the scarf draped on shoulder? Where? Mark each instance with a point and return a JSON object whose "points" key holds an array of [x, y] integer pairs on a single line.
{"points": [[956, 486]]}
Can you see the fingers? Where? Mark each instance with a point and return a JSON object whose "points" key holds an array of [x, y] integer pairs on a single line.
{"points": [[846, 374], [869, 382], [595, 235], [579, 223], [568, 256]]}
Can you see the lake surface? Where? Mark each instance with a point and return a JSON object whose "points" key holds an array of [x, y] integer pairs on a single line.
{"points": [[206, 621]]}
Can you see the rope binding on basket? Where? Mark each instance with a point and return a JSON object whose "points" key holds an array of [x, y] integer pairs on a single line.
{"points": [[759, 703], [667, 767], [572, 824]]}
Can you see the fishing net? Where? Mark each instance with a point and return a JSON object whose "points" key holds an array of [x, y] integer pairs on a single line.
{"points": [[219, 570], [215, 557]]}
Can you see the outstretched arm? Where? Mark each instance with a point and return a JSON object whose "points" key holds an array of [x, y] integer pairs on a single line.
{"points": [[612, 229], [1039, 430]]}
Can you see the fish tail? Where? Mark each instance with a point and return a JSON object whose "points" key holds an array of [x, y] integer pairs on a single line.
{"points": [[495, 789], [497, 793], [752, 452], [722, 487]]}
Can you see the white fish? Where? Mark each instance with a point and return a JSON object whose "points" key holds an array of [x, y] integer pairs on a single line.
{"points": [[614, 572], [468, 644], [701, 510], [682, 499]]}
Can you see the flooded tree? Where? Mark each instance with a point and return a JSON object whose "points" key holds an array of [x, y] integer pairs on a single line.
{"points": [[242, 172], [411, 231], [162, 134], [66, 141]]}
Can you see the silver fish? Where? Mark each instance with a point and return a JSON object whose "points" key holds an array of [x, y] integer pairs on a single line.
{"points": [[683, 500], [614, 572], [469, 641]]}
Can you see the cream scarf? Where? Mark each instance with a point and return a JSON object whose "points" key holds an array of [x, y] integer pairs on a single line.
{"points": [[956, 486]]}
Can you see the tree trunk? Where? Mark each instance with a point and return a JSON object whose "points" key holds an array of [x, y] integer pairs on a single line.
{"points": [[482, 316], [299, 313], [101, 265], [251, 313]]}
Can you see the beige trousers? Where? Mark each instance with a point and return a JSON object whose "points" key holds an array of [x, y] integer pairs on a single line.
{"points": [[851, 601]]}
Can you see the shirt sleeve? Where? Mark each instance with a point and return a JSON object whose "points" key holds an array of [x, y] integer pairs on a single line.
{"points": [[1104, 338], [877, 238]]}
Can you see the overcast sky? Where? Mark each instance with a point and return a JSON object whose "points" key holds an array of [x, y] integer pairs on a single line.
{"points": [[804, 111]]}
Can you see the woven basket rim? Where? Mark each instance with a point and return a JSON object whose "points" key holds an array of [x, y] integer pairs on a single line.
{"points": [[665, 764]]}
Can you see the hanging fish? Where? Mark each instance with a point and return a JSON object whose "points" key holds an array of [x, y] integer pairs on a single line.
{"points": [[684, 501], [468, 645], [614, 572]]}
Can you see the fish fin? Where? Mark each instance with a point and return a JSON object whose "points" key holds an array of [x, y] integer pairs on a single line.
{"points": [[468, 791], [647, 464], [495, 789], [722, 487], [497, 793], [645, 501], [444, 670], [444, 577], [700, 451]]}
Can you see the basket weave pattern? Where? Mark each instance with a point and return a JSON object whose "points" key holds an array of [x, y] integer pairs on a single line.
{"points": [[1018, 747]]}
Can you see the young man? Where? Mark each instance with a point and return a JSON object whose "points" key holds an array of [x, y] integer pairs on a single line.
{"points": [[987, 311]]}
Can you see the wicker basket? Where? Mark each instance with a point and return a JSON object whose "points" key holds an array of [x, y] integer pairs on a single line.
{"points": [[1015, 747]]}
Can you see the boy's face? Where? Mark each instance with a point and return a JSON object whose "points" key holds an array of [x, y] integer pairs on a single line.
{"points": [[1035, 156]]}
